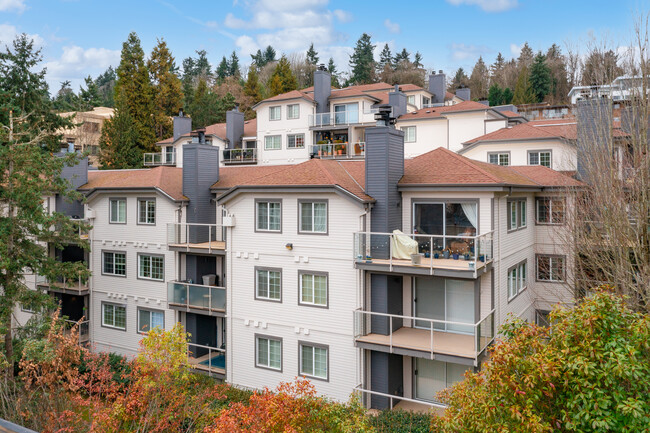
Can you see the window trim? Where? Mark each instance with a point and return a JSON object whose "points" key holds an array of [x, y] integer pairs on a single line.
{"points": [[517, 201], [150, 310], [552, 256], [550, 223], [265, 268], [505, 152], [114, 252], [148, 278], [320, 346], [296, 135], [155, 215], [110, 210], [271, 148], [269, 337], [415, 134], [103, 325], [519, 290], [268, 200], [293, 118], [550, 151], [302, 272], [327, 216], [279, 111]]}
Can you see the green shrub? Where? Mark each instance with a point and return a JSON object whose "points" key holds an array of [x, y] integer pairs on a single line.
{"points": [[401, 421]]}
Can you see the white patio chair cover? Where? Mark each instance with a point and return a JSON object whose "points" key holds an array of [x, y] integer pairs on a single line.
{"points": [[403, 246]]}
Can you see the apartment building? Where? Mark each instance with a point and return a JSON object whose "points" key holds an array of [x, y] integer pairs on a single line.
{"points": [[86, 131]]}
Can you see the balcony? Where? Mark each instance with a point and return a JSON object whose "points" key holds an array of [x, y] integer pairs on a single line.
{"points": [[401, 403], [338, 150], [423, 337], [83, 329], [75, 286], [239, 156], [196, 238], [196, 298], [206, 359], [159, 158], [338, 118], [447, 256]]}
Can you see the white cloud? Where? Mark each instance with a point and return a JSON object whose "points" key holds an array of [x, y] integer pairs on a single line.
{"points": [[8, 33], [342, 16], [391, 26], [246, 44], [462, 52], [488, 5], [12, 5], [515, 49], [76, 63]]}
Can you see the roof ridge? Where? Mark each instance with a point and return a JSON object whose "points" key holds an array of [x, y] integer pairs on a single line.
{"points": [[351, 177], [514, 168], [320, 163], [467, 162]]}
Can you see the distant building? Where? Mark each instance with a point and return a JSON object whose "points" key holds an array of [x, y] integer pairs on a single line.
{"points": [[87, 130]]}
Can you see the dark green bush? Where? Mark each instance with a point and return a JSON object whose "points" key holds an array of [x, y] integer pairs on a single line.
{"points": [[398, 421]]}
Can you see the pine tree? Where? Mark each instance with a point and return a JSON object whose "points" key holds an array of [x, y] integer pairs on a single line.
{"points": [[223, 69], [282, 80], [65, 99], [118, 143], [460, 80], [417, 60], [233, 65], [202, 67], [106, 86], [252, 87], [29, 172], [507, 96], [167, 93], [523, 92], [331, 68], [495, 95], [402, 56], [134, 87], [89, 97], [540, 78], [269, 55], [362, 61], [385, 59], [479, 80], [312, 55]]}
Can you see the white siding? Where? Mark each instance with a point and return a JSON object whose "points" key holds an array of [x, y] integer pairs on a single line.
{"points": [[563, 155]]}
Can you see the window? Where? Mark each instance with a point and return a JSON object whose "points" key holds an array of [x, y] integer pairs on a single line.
{"points": [[272, 142], [150, 319], [147, 211], [313, 217], [269, 216], [550, 210], [447, 219], [517, 279], [114, 316], [410, 99], [313, 289], [293, 111], [516, 214], [268, 284], [170, 155], [500, 158], [295, 141], [151, 267], [313, 361], [538, 157], [275, 113], [542, 318], [425, 101], [117, 211], [114, 263], [268, 352], [550, 268], [409, 134]]}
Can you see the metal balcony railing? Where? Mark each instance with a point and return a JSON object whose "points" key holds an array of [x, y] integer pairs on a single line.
{"points": [[239, 156], [152, 159], [83, 329], [338, 150], [336, 118], [452, 252], [196, 296], [366, 394], [79, 284], [208, 359], [466, 340], [204, 237]]}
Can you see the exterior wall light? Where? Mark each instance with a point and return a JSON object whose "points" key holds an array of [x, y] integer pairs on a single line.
{"points": [[289, 246]]}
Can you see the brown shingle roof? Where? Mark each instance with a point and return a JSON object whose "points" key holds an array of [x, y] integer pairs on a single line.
{"points": [[168, 180], [433, 112], [219, 129], [294, 94], [527, 131]]}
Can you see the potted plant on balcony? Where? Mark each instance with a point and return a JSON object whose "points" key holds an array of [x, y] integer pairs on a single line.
{"points": [[455, 255], [320, 146], [445, 253]]}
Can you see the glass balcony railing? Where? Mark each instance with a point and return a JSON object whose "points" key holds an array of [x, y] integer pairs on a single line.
{"points": [[152, 159], [211, 360], [196, 296], [338, 150], [239, 156], [349, 117]]}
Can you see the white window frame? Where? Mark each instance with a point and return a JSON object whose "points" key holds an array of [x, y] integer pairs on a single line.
{"points": [[499, 156], [272, 139], [539, 157], [268, 216], [114, 253], [275, 109], [268, 339], [290, 113], [114, 307], [151, 312], [314, 347], [111, 217], [295, 139], [150, 257], [313, 231], [410, 134], [516, 208], [551, 274], [410, 99], [517, 279], [551, 220], [149, 217], [301, 288], [267, 297]]}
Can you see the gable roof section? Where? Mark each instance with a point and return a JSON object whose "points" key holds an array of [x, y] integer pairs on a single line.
{"points": [[217, 129], [528, 131], [443, 110], [167, 180], [294, 94]]}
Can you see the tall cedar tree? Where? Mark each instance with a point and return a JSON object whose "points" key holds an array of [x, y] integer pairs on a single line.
{"points": [[222, 70], [479, 80], [312, 55], [233, 65], [385, 59], [89, 97], [167, 93], [134, 87], [118, 141], [29, 172], [252, 87], [282, 80], [540, 77], [362, 61], [523, 92]]}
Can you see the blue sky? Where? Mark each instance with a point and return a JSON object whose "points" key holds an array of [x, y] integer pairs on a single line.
{"points": [[81, 37]]}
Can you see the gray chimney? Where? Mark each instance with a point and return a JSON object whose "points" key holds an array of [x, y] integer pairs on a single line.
{"points": [[397, 100], [77, 175], [463, 93], [322, 89], [200, 172], [234, 127], [594, 129], [182, 125], [438, 87]]}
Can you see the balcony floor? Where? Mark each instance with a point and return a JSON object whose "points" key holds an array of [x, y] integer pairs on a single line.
{"points": [[444, 343], [203, 246], [449, 264], [200, 364], [73, 289]]}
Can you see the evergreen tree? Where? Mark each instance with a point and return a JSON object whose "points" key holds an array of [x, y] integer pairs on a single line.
{"points": [[479, 80], [460, 80], [167, 93], [65, 99], [362, 61], [496, 70], [223, 69], [225, 104], [202, 67], [205, 106], [269, 55], [525, 57], [233, 65], [118, 143], [331, 68], [507, 96], [28, 173], [188, 81], [282, 80], [106, 86], [523, 92], [495, 95], [385, 59], [252, 87], [417, 60], [557, 63], [402, 56], [89, 97], [540, 77], [312, 55], [134, 87], [258, 59]]}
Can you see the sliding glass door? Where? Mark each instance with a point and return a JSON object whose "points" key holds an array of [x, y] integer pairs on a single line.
{"points": [[432, 377], [446, 300]]}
